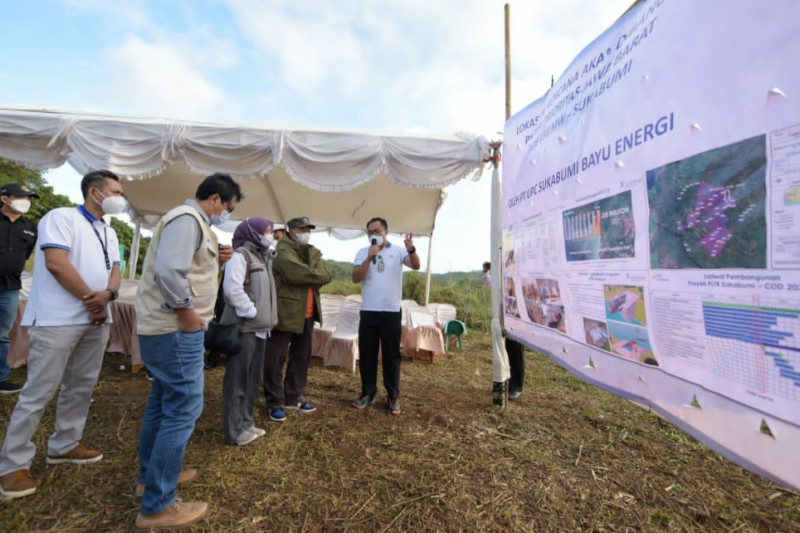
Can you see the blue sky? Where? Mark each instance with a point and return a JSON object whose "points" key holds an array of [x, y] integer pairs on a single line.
{"points": [[399, 66]]}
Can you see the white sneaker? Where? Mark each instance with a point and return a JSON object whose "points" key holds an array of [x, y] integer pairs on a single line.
{"points": [[258, 431], [246, 437]]}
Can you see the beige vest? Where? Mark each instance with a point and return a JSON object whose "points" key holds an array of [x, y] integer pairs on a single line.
{"points": [[151, 318]]}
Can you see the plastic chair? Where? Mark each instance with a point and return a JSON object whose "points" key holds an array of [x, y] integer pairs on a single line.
{"points": [[454, 328]]}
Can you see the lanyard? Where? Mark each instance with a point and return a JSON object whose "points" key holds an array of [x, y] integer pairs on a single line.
{"points": [[104, 245]]}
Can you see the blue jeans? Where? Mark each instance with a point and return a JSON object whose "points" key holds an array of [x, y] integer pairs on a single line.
{"points": [[9, 302], [175, 361]]}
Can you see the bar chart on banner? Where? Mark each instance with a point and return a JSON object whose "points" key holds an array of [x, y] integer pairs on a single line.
{"points": [[761, 344]]}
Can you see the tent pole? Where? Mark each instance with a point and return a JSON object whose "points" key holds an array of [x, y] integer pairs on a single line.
{"points": [[133, 256], [500, 368], [428, 273]]}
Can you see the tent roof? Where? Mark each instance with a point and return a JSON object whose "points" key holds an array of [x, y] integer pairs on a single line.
{"points": [[339, 179]]}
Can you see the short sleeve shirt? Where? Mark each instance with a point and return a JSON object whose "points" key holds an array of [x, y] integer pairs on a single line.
{"points": [[17, 240], [84, 237], [382, 288]]}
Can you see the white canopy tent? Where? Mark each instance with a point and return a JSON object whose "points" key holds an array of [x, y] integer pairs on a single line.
{"points": [[339, 178]]}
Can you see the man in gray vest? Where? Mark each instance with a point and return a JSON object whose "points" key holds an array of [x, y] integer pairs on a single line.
{"points": [[174, 304]]}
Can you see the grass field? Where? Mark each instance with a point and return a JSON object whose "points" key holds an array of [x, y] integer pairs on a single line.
{"points": [[565, 457]]}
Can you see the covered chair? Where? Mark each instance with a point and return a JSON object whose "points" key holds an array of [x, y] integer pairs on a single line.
{"points": [[342, 348], [422, 333], [454, 328], [331, 303], [405, 305]]}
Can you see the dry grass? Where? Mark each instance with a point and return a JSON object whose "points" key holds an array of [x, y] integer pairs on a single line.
{"points": [[565, 457]]}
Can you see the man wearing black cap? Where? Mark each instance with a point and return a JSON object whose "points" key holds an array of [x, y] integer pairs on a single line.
{"points": [[17, 240], [299, 273]]}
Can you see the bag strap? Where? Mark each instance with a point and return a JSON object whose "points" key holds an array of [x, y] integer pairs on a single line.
{"points": [[248, 263], [247, 274]]}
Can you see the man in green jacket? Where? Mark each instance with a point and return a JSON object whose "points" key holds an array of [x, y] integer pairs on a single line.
{"points": [[299, 273]]}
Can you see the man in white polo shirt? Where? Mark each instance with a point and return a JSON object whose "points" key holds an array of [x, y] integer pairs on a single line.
{"points": [[379, 269], [76, 274]]}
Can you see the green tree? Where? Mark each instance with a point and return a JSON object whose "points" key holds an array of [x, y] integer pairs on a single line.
{"points": [[33, 179], [48, 199], [125, 235]]}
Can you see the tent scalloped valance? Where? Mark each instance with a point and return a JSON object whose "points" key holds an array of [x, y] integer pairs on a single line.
{"points": [[173, 156]]}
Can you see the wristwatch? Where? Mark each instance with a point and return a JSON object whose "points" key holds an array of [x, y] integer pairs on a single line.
{"points": [[114, 294]]}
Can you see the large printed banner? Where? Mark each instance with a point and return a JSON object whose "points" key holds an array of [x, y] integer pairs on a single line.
{"points": [[651, 221]]}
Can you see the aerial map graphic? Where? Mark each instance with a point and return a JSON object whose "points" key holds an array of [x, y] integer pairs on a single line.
{"points": [[708, 211]]}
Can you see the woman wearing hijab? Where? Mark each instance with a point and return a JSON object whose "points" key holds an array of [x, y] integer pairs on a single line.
{"points": [[252, 299]]}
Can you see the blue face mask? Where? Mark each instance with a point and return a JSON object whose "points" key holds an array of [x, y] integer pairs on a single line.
{"points": [[222, 218]]}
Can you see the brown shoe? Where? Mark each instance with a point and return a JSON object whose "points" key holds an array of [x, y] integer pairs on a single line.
{"points": [[17, 484], [178, 515], [79, 455], [184, 477]]}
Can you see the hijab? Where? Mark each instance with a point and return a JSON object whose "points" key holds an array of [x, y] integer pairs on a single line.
{"points": [[251, 230]]}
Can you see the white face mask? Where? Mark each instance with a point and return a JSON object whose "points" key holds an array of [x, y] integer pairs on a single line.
{"points": [[377, 238], [20, 205], [113, 205], [266, 240], [302, 238]]}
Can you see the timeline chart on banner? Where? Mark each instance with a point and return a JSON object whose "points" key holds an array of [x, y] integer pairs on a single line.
{"points": [[765, 340], [785, 185], [746, 347]]}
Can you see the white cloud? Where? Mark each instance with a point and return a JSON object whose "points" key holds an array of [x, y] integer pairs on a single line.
{"points": [[387, 65], [130, 13], [159, 79], [420, 65]]}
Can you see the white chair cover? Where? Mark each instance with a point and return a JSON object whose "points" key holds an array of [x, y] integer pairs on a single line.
{"points": [[330, 318], [342, 348], [422, 333]]}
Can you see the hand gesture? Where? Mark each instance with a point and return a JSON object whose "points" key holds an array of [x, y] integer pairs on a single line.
{"points": [[189, 321], [96, 301], [409, 242], [98, 317], [225, 253], [373, 251]]}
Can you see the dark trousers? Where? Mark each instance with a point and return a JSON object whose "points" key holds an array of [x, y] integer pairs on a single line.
{"points": [[278, 390], [516, 364], [379, 329]]}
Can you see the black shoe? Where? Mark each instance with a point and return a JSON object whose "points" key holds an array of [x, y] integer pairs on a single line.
{"points": [[9, 387], [213, 359], [514, 395]]}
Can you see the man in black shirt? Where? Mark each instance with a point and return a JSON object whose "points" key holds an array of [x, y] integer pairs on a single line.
{"points": [[17, 240]]}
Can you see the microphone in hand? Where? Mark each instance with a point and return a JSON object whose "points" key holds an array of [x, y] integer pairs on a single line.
{"points": [[374, 243]]}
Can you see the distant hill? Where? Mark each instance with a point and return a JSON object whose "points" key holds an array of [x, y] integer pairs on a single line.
{"points": [[342, 270], [465, 290]]}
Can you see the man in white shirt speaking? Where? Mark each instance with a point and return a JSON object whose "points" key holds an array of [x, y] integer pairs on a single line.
{"points": [[379, 269]]}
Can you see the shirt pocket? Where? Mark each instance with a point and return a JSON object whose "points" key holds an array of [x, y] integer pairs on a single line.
{"points": [[21, 241]]}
